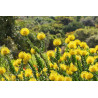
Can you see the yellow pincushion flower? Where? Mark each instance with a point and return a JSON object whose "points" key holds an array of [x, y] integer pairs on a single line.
{"points": [[41, 36], [59, 78], [68, 79], [55, 66], [78, 57], [67, 40], [50, 53], [93, 68], [53, 76], [63, 67], [32, 79], [22, 55], [78, 51], [69, 72], [24, 31], [37, 74], [78, 42], [2, 70], [83, 74], [96, 47], [84, 53], [65, 55], [92, 50], [16, 69], [32, 51], [28, 72], [2, 79], [57, 42], [27, 57], [17, 62], [44, 69], [5, 51], [72, 68], [61, 59], [20, 76], [71, 37], [13, 77], [90, 60], [72, 52], [88, 76], [83, 45], [72, 45], [51, 65]]}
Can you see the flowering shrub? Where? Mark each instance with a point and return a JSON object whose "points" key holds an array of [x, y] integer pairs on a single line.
{"points": [[77, 63]]}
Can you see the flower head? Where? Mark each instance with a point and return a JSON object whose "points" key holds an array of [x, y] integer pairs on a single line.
{"points": [[24, 31], [41, 36], [57, 42], [5, 51]]}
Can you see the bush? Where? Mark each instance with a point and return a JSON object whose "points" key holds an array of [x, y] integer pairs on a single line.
{"points": [[88, 21], [86, 34], [73, 26]]}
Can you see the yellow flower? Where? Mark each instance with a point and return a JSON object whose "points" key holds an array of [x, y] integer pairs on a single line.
{"points": [[88, 76], [67, 40], [78, 57], [51, 65], [96, 47], [44, 69], [2, 70], [16, 69], [78, 42], [57, 42], [50, 53], [13, 77], [71, 37], [27, 57], [41, 36], [69, 72], [78, 51], [55, 66], [59, 78], [84, 53], [32, 51], [95, 57], [83, 74], [65, 55], [37, 74], [68, 79], [5, 51], [22, 55], [92, 50], [61, 59], [63, 67], [32, 79], [72, 68], [2, 79], [72, 52], [93, 68], [83, 45], [24, 31], [53, 76], [17, 62], [72, 45], [28, 72], [90, 60]]}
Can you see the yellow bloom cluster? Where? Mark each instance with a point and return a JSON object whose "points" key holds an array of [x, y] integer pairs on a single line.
{"points": [[77, 62], [5, 51], [41, 36], [24, 31]]}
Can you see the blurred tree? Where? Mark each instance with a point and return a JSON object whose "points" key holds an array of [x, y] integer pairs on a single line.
{"points": [[6, 27]]}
